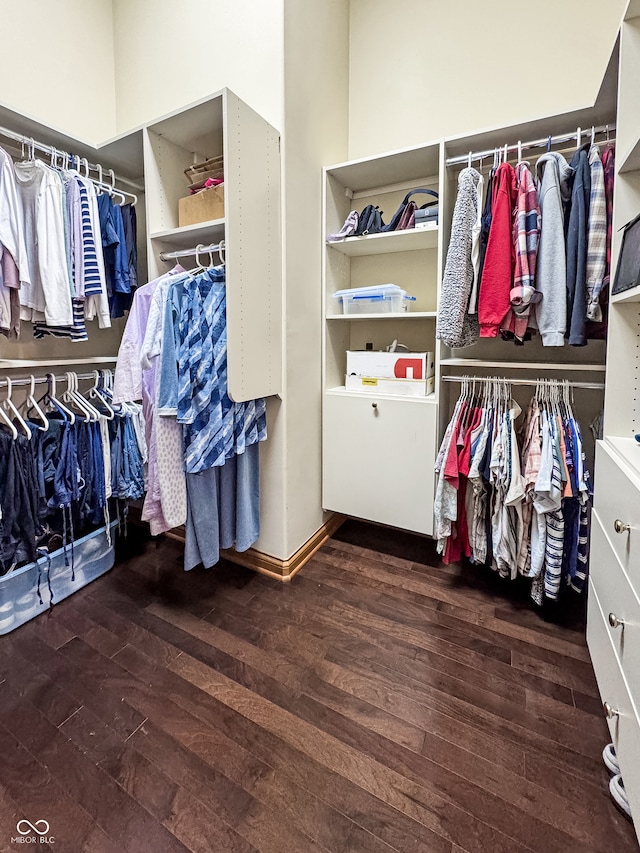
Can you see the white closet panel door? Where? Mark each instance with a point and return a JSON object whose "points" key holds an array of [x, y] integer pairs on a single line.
{"points": [[623, 721], [378, 459], [619, 603], [617, 502]]}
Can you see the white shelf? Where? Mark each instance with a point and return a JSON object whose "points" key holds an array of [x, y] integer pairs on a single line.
{"points": [[631, 295], [393, 241], [341, 391], [628, 449], [404, 315], [17, 363], [522, 365], [190, 235], [632, 160]]}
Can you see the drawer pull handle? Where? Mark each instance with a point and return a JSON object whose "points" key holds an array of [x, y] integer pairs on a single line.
{"points": [[620, 526], [374, 405], [615, 622], [610, 711]]}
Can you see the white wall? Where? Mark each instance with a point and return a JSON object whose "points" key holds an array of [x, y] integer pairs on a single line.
{"points": [[421, 69], [169, 54], [56, 64], [315, 133]]}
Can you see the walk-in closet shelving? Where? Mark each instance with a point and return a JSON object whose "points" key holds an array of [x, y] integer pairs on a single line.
{"points": [[224, 125], [613, 621], [378, 450]]}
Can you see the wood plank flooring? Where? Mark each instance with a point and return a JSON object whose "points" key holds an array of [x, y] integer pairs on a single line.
{"points": [[379, 702]]}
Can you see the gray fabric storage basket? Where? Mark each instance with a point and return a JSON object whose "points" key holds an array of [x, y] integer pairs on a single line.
{"points": [[19, 602]]}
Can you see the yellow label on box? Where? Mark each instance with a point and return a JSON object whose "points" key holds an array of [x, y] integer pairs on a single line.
{"points": [[369, 381]]}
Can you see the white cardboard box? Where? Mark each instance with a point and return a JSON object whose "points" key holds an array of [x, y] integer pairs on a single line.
{"points": [[401, 387], [390, 365]]}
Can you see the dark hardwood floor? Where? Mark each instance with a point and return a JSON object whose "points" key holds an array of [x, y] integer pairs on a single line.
{"points": [[379, 702]]}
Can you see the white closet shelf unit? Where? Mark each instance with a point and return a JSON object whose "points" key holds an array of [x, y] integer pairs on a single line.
{"points": [[191, 235], [540, 366], [409, 240], [222, 124], [341, 391], [403, 315], [379, 445]]}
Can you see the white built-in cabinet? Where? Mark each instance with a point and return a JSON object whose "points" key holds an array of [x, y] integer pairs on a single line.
{"points": [[378, 450], [613, 626]]}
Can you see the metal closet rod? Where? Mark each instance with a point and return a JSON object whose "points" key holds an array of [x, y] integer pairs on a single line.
{"points": [[41, 380], [187, 253], [535, 143], [50, 149], [595, 386]]}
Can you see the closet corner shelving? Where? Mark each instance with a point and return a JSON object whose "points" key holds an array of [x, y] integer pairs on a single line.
{"points": [[613, 618], [222, 124], [378, 450]]}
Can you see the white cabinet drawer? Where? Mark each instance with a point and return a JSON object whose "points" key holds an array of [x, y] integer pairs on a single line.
{"points": [[619, 603], [378, 458], [624, 725], [617, 499]]}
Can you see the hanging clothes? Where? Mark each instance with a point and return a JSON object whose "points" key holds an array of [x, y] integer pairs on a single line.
{"points": [[596, 237], [526, 237], [136, 378], [497, 273], [48, 297], [519, 503], [577, 243], [554, 177], [455, 326]]}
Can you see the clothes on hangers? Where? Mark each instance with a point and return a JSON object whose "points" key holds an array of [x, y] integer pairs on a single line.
{"points": [[518, 503], [497, 273], [577, 242], [54, 486], [526, 226], [203, 447], [137, 378], [52, 264], [455, 326], [539, 246]]}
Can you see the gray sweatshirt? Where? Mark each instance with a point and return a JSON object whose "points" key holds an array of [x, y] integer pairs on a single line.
{"points": [[553, 175]]}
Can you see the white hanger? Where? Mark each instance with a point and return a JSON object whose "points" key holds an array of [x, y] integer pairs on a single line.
{"points": [[51, 394], [94, 393], [593, 134], [32, 403], [578, 137], [519, 151], [221, 252], [9, 423], [469, 161], [10, 407]]}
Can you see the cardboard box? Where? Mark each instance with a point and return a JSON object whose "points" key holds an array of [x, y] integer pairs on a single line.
{"points": [[201, 207], [390, 365], [400, 387]]}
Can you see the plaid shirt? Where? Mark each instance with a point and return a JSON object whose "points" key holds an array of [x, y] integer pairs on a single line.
{"points": [[609, 168], [526, 237], [596, 236]]}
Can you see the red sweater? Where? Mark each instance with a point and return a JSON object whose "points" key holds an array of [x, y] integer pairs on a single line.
{"points": [[497, 273]]}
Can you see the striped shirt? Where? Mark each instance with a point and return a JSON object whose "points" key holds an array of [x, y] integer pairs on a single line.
{"points": [[215, 428]]}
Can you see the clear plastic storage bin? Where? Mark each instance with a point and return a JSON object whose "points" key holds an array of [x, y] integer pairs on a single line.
{"points": [[387, 303], [19, 600]]}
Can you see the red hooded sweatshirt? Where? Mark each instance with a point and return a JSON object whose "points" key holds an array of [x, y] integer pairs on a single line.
{"points": [[499, 264]]}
